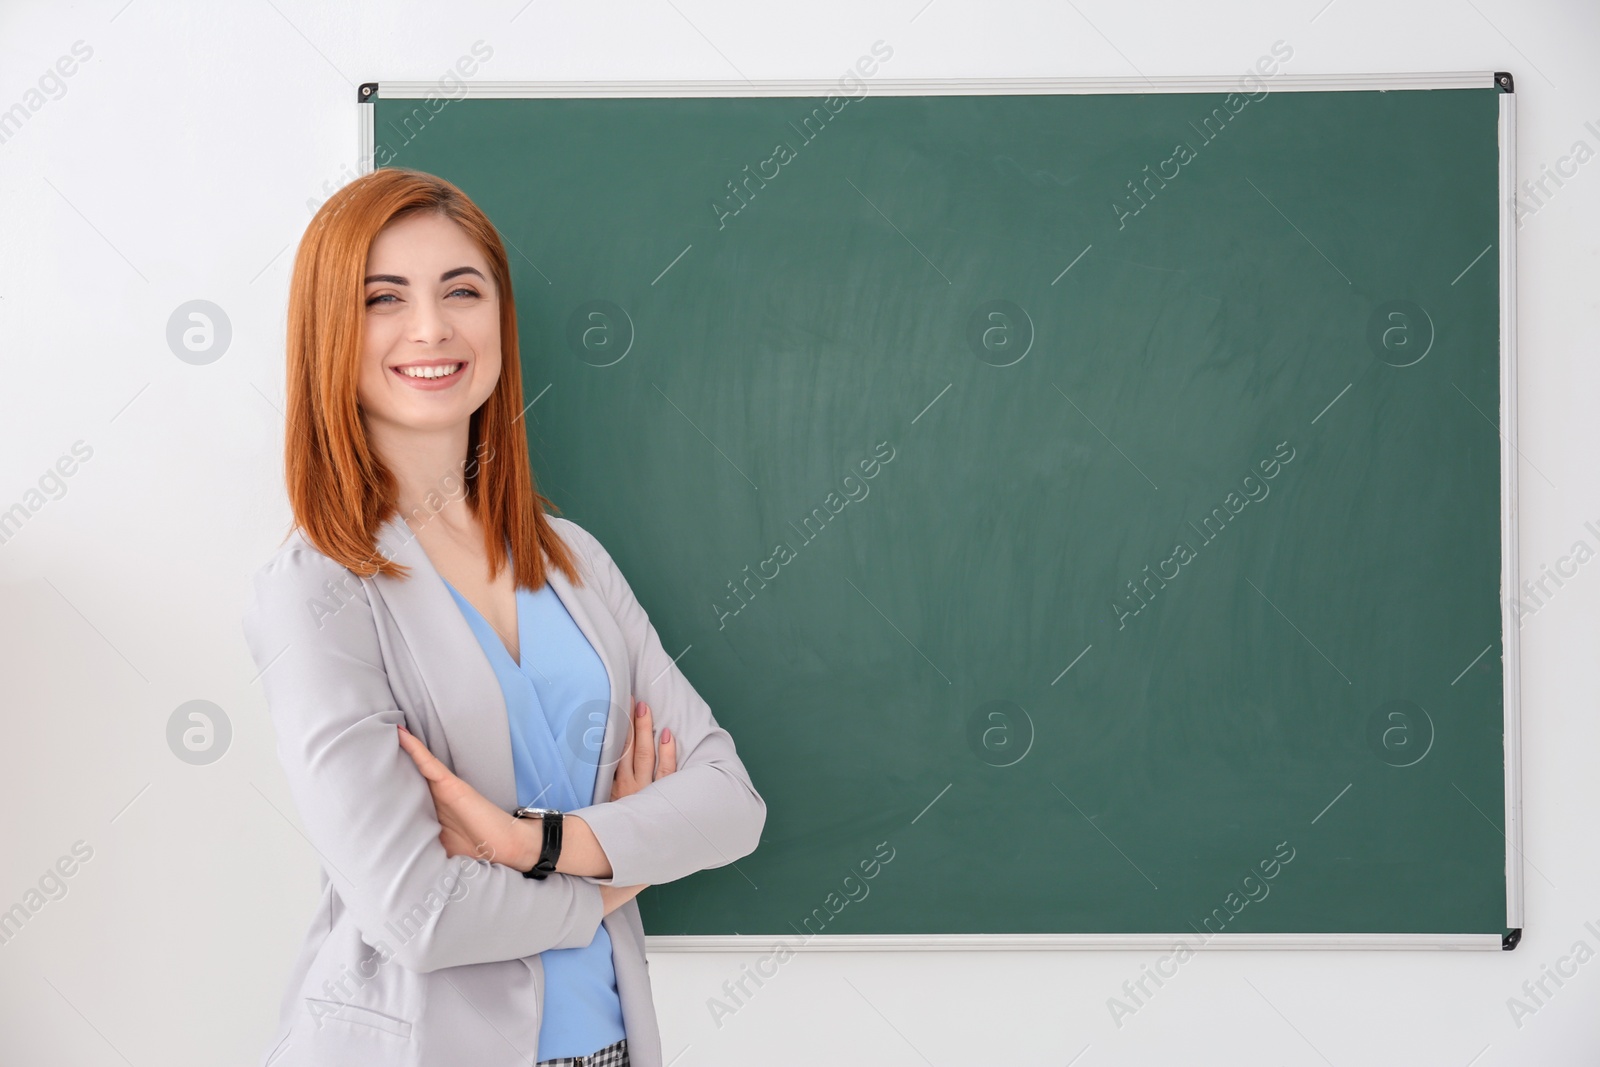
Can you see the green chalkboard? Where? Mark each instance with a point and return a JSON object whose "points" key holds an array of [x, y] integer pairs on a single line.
{"points": [[1083, 510]]}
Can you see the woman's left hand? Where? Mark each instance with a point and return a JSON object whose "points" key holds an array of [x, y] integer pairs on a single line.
{"points": [[470, 824]]}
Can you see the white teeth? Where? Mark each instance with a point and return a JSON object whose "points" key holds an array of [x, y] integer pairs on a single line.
{"points": [[431, 372]]}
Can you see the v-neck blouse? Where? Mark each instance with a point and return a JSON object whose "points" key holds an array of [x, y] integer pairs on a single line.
{"points": [[557, 699]]}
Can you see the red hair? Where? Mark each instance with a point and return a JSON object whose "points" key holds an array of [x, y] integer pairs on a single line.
{"points": [[339, 489]]}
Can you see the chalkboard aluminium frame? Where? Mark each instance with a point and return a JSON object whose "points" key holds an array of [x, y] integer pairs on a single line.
{"points": [[368, 93]]}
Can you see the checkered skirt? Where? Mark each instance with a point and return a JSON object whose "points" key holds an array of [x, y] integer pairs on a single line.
{"points": [[615, 1055]]}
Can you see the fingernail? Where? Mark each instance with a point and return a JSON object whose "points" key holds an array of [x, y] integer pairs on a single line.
{"points": [[666, 735], [638, 709]]}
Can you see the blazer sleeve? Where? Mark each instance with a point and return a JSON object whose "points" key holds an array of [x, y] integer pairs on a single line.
{"points": [[706, 813], [364, 806]]}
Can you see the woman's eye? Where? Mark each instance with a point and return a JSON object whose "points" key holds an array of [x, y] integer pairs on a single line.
{"points": [[383, 298]]}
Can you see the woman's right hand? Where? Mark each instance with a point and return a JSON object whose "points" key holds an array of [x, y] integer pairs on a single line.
{"points": [[638, 766], [613, 897]]}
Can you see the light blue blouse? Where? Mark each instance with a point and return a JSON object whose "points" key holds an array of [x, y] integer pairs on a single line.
{"points": [[556, 701]]}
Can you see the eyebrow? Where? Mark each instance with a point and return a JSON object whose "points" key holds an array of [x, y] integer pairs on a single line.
{"points": [[395, 279]]}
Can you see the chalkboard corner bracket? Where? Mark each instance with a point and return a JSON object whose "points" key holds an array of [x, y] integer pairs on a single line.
{"points": [[368, 92], [1511, 938], [1502, 79]]}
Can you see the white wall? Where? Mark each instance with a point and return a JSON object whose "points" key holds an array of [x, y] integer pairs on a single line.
{"points": [[176, 165]]}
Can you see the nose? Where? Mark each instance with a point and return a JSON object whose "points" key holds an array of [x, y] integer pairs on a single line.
{"points": [[429, 325]]}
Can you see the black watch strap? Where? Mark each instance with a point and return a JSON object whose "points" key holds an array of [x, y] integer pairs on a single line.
{"points": [[550, 847]]}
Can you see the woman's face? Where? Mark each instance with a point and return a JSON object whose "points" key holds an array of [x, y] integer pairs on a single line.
{"points": [[431, 350]]}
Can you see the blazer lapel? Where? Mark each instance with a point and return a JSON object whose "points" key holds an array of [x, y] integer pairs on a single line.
{"points": [[598, 626], [458, 676]]}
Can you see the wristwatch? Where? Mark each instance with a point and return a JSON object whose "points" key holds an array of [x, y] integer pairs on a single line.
{"points": [[550, 850]]}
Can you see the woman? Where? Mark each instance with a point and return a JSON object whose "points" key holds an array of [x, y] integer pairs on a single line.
{"points": [[437, 652]]}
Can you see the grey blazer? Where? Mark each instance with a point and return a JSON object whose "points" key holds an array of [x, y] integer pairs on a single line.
{"points": [[414, 958]]}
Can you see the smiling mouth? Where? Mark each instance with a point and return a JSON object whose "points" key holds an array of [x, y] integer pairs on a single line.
{"points": [[436, 372]]}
